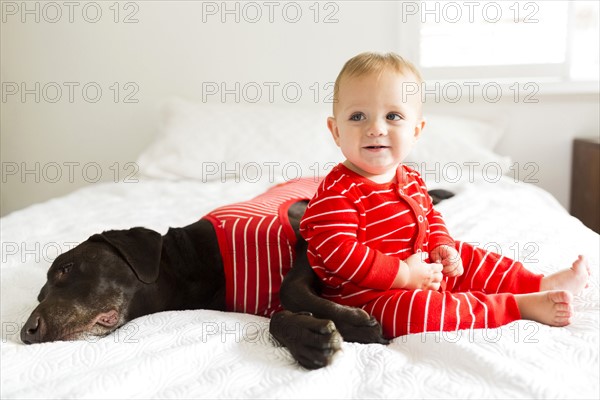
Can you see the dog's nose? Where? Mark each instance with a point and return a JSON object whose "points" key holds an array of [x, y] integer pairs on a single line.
{"points": [[34, 330]]}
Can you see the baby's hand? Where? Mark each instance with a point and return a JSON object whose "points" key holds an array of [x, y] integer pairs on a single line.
{"points": [[422, 275], [449, 258]]}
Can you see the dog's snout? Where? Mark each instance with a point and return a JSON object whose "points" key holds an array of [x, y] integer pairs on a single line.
{"points": [[34, 330]]}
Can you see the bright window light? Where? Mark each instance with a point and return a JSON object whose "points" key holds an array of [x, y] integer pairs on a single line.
{"points": [[585, 63], [550, 40]]}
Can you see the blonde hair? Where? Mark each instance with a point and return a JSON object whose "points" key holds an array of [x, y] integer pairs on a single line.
{"points": [[371, 62]]}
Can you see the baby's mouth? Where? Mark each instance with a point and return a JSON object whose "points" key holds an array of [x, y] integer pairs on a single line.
{"points": [[376, 147]]}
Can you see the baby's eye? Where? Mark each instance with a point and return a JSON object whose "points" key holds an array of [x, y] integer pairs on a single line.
{"points": [[357, 117], [394, 117]]}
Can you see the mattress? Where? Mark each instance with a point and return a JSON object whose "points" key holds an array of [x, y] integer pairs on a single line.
{"points": [[210, 354]]}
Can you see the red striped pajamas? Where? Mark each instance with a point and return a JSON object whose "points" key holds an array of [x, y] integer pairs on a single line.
{"points": [[357, 233], [257, 244]]}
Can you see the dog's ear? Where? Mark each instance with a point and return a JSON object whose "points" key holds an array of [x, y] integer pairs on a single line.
{"points": [[437, 195], [140, 247]]}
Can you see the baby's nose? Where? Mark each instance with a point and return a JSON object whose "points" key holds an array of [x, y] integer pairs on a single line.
{"points": [[377, 129]]}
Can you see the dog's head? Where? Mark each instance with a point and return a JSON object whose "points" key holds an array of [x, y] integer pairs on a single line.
{"points": [[90, 288]]}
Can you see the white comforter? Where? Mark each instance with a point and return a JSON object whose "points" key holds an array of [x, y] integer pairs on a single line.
{"points": [[192, 354]]}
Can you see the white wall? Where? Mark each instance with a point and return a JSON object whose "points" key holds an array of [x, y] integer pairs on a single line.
{"points": [[171, 51]]}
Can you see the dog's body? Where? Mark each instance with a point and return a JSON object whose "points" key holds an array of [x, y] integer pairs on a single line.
{"points": [[117, 276]]}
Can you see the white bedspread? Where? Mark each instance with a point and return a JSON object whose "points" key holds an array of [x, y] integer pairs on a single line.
{"points": [[208, 354]]}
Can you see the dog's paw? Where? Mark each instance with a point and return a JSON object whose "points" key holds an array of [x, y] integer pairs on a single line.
{"points": [[356, 325], [312, 341]]}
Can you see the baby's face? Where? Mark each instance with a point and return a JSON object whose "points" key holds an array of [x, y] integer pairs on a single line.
{"points": [[376, 122]]}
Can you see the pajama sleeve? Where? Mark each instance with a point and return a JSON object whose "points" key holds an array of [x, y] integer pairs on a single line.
{"points": [[331, 227]]}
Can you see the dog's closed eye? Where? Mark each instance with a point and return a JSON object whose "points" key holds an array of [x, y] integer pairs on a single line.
{"points": [[64, 270]]}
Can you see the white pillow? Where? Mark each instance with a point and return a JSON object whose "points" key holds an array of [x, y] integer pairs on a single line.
{"points": [[251, 142], [449, 143], [480, 134], [210, 142]]}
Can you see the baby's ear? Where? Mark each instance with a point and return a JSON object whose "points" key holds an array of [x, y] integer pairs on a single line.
{"points": [[420, 125], [333, 128]]}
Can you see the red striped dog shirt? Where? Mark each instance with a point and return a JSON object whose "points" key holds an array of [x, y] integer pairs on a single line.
{"points": [[257, 246]]}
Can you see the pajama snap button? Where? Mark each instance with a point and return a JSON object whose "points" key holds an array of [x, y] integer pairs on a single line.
{"points": [[420, 218]]}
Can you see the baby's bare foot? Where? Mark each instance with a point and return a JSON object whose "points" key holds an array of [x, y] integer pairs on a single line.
{"points": [[551, 308], [573, 279]]}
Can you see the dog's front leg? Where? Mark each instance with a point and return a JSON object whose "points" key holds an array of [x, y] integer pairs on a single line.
{"points": [[299, 294]]}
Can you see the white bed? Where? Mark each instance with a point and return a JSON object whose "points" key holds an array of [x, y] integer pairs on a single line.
{"points": [[208, 354]]}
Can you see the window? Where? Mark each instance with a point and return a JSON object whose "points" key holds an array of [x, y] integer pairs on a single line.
{"points": [[585, 40], [543, 40]]}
